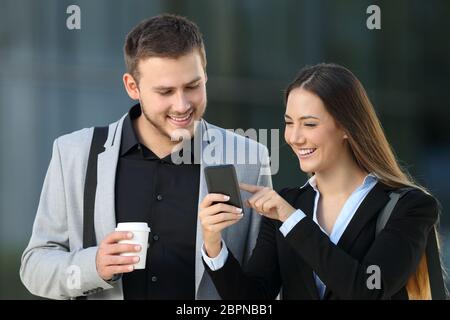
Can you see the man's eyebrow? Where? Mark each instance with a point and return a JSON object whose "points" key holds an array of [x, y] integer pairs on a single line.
{"points": [[161, 88], [302, 117], [193, 81]]}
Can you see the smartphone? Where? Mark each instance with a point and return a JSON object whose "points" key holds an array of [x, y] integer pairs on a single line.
{"points": [[222, 179]]}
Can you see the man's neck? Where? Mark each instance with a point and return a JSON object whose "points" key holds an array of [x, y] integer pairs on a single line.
{"points": [[160, 144]]}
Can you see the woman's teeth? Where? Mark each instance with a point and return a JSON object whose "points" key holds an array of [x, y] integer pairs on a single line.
{"points": [[305, 152]]}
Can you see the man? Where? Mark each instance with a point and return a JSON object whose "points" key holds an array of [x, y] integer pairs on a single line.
{"points": [[139, 181]]}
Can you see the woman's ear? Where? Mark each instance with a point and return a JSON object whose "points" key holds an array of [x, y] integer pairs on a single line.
{"points": [[345, 136]]}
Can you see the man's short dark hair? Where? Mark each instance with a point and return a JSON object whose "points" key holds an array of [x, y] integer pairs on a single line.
{"points": [[166, 36]]}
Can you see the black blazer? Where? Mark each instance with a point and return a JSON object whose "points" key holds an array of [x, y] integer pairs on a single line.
{"points": [[287, 263]]}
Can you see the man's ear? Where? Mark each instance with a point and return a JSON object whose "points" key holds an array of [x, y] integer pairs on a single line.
{"points": [[131, 86], [206, 77]]}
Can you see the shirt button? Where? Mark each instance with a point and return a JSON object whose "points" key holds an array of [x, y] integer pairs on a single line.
{"points": [[159, 197], [154, 278], [156, 237]]}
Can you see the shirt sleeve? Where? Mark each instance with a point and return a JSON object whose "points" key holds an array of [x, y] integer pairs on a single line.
{"points": [[217, 262], [292, 221]]}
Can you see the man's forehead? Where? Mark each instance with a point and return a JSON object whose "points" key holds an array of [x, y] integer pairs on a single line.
{"points": [[189, 60], [171, 71]]}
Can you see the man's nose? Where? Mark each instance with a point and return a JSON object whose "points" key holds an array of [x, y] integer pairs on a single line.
{"points": [[181, 104]]}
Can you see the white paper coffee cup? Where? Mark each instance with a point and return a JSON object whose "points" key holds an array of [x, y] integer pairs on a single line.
{"points": [[140, 232]]}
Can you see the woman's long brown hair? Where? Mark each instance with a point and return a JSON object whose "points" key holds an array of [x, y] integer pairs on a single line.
{"points": [[346, 100]]}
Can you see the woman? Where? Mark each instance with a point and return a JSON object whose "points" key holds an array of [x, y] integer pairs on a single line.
{"points": [[318, 241]]}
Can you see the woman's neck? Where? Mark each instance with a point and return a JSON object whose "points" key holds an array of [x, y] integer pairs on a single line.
{"points": [[341, 180]]}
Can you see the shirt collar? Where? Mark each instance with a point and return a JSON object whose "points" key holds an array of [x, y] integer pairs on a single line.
{"points": [[130, 140], [313, 183]]}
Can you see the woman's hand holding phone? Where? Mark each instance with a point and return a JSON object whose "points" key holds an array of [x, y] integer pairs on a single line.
{"points": [[267, 202], [215, 215]]}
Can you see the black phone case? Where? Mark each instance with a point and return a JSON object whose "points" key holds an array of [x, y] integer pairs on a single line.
{"points": [[222, 179]]}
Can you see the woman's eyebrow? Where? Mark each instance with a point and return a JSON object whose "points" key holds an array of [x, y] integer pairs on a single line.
{"points": [[302, 117]]}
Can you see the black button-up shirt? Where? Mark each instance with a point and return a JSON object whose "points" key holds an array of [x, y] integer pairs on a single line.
{"points": [[165, 195]]}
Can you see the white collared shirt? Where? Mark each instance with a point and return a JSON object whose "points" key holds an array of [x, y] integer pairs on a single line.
{"points": [[345, 216]]}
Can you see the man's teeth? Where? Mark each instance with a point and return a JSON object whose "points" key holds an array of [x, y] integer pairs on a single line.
{"points": [[180, 119], [305, 152]]}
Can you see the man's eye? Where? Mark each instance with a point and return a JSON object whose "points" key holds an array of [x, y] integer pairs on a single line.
{"points": [[287, 123], [193, 86], [165, 93]]}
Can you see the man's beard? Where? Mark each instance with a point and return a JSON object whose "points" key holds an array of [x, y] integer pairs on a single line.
{"points": [[160, 128]]}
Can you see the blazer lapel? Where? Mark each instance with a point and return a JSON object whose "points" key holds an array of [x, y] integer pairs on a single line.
{"points": [[105, 214], [372, 204], [207, 145], [375, 200], [307, 201]]}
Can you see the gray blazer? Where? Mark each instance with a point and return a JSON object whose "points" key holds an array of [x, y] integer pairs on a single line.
{"points": [[55, 265]]}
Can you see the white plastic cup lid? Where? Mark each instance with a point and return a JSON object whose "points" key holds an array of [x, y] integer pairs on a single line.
{"points": [[133, 226]]}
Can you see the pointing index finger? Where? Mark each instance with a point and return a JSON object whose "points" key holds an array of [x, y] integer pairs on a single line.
{"points": [[249, 187]]}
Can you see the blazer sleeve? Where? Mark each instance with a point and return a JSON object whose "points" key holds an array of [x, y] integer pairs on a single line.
{"points": [[48, 267], [261, 277], [396, 250]]}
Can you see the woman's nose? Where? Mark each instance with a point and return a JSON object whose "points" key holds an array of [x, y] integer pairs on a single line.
{"points": [[296, 137]]}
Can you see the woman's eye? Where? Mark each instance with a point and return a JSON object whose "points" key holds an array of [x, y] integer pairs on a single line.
{"points": [[193, 87], [164, 93], [310, 124]]}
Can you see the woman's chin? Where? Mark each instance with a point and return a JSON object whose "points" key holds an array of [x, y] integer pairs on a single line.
{"points": [[306, 169]]}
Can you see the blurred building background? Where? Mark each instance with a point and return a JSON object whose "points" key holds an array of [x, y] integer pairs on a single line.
{"points": [[54, 81]]}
